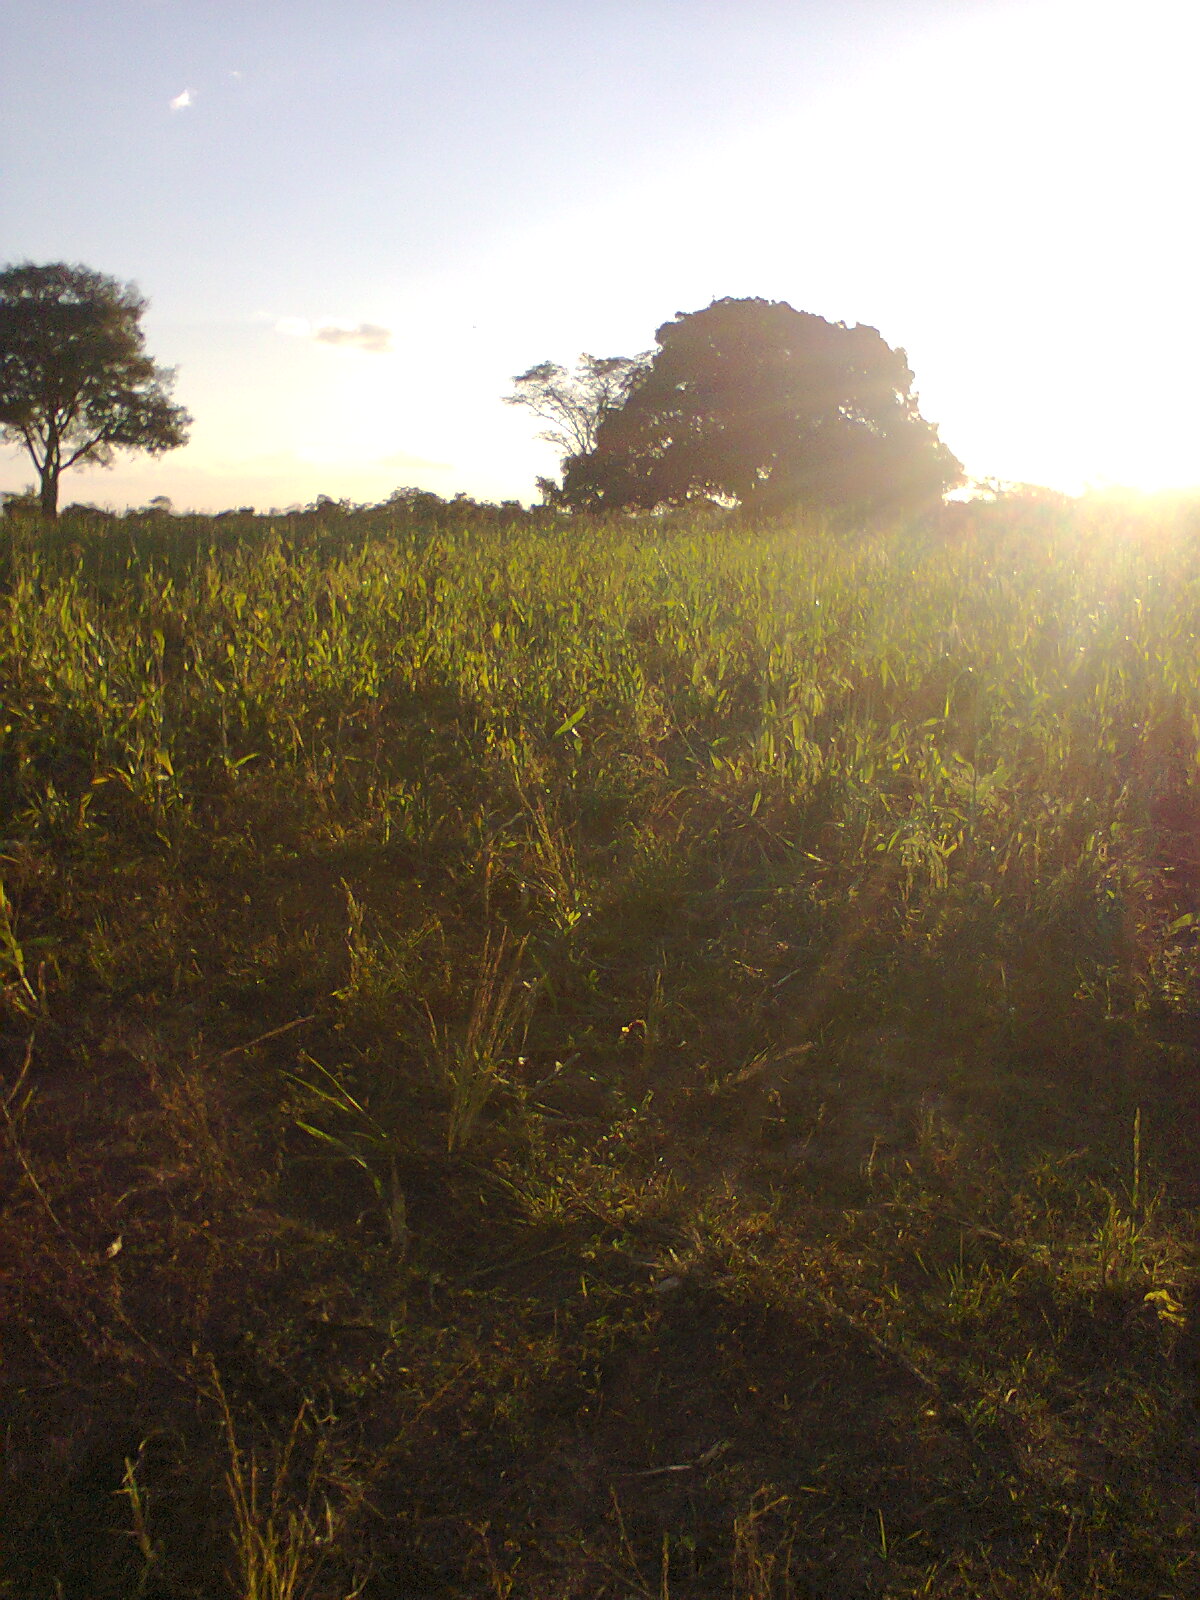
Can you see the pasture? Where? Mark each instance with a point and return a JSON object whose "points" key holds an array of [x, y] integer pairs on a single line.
{"points": [[555, 1059]]}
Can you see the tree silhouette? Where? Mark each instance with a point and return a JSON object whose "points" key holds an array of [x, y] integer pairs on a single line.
{"points": [[575, 403], [76, 384], [755, 403]]}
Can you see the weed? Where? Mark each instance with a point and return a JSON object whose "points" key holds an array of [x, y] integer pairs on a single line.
{"points": [[469, 1059], [363, 1141], [280, 1538], [149, 1551], [12, 963]]}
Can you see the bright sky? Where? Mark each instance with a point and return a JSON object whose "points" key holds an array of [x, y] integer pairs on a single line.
{"points": [[356, 219]]}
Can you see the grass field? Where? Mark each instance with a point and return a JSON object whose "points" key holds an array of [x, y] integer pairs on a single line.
{"points": [[640, 1059]]}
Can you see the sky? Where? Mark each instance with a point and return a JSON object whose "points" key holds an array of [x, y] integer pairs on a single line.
{"points": [[356, 220]]}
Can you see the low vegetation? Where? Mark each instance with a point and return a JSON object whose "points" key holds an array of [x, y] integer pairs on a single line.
{"points": [[546, 1058]]}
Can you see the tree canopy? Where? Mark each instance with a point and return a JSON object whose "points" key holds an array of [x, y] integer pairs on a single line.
{"points": [[76, 384], [575, 403], [753, 402]]}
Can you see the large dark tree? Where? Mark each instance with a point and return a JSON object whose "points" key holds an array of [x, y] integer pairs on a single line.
{"points": [[753, 402], [76, 384]]}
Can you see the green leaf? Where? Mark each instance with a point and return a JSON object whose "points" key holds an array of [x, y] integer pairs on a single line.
{"points": [[347, 1150], [570, 723]]}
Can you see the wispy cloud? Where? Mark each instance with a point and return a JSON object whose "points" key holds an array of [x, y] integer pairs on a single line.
{"points": [[182, 101], [368, 336]]}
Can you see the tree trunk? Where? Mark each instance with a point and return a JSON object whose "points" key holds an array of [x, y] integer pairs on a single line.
{"points": [[49, 492]]}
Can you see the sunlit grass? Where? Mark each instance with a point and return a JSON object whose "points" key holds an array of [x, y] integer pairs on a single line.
{"points": [[710, 1007]]}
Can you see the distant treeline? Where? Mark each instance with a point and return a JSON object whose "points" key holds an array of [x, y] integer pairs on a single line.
{"points": [[111, 541], [403, 506]]}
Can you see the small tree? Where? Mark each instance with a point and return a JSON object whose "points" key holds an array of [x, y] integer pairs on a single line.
{"points": [[76, 384], [575, 404]]}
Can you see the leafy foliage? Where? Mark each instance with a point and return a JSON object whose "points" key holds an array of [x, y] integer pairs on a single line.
{"points": [[753, 402], [575, 404], [76, 384]]}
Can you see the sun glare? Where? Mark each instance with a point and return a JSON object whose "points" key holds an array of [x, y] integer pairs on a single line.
{"points": [[1018, 224], [1004, 190], [1006, 200]]}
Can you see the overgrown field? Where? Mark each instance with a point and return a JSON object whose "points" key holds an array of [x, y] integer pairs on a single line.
{"points": [[648, 1059]]}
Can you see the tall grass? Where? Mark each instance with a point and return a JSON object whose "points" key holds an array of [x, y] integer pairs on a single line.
{"points": [[597, 992]]}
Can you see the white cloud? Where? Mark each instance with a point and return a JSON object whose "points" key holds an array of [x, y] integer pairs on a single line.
{"points": [[368, 336], [182, 101]]}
